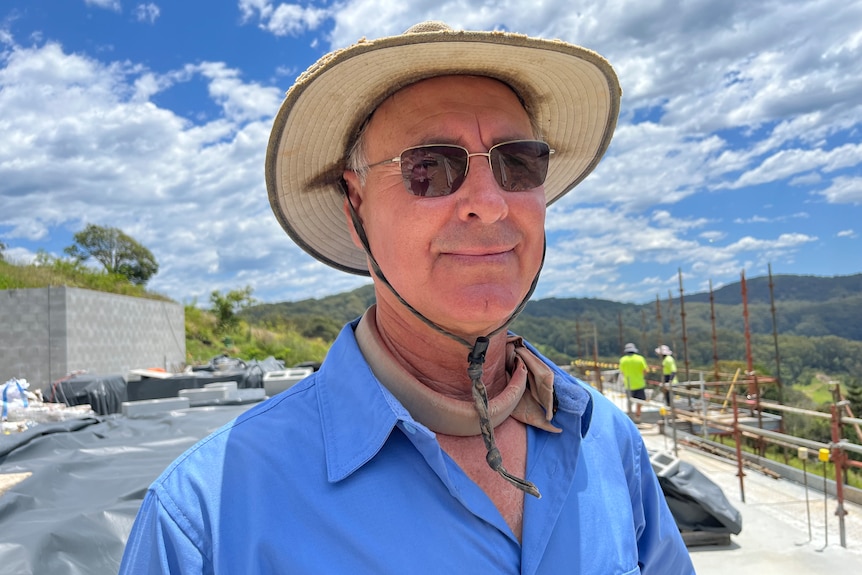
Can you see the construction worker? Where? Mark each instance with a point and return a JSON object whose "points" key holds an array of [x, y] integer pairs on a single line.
{"points": [[633, 368], [668, 369]]}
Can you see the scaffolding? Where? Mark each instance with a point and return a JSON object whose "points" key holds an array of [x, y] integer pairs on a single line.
{"points": [[709, 411], [704, 414]]}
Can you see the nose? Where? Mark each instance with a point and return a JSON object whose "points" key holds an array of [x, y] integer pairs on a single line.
{"points": [[480, 197]]}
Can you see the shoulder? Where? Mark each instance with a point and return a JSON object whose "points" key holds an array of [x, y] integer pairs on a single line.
{"points": [[603, 420], [274, 421]]}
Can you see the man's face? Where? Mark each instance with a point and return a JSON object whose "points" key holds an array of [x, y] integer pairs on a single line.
{"points": [[465, 260]]}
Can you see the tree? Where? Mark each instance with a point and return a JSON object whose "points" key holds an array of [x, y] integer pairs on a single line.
{"points": [[116, 251], [226, 306]]}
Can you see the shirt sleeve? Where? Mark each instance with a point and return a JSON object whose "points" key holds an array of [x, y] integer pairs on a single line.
{"points": [[158, 545], [661, 550]]}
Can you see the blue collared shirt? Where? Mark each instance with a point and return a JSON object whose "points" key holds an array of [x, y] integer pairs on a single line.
{"points": [[335, 476]]}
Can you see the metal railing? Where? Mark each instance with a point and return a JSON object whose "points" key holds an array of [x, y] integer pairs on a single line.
{"points": [[729, 414]]}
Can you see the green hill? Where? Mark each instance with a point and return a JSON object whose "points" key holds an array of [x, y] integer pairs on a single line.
{"points": [[786, 288], [817, 319], [814, 323]]}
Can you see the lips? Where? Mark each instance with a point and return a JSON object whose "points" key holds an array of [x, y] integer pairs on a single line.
{"points": [[478, 253], [472, 244]]}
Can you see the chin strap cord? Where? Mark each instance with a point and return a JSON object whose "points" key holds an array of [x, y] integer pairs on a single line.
{"points": [[475, 359]]}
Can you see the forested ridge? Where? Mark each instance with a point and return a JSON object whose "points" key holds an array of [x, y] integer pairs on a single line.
{"points": [[818, 321]]}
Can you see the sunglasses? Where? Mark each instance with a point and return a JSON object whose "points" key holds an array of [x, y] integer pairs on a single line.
{"points": [[440, 169]]}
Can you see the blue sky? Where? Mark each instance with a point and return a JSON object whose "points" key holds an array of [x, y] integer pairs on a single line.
{"points": [[739, 143]]}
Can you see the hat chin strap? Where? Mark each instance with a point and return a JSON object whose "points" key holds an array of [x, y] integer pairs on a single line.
{"points": [[475, 358]]}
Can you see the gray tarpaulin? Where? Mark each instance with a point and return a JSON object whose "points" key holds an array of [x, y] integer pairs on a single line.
{"points": [[105, 394], [697, 503], [74, 513]]}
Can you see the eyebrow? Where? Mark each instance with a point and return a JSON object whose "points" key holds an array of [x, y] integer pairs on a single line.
{"points": [[431, 140]]}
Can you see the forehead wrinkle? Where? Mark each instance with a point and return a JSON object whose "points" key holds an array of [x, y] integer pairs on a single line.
{"points": [[461, 141], [392, 118]]}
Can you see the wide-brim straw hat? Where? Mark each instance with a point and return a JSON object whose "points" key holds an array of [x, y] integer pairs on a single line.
{"points": [[573, 94]]}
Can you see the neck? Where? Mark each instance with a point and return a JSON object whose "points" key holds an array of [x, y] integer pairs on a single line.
{"points": [[443, 411], [437, 361]]}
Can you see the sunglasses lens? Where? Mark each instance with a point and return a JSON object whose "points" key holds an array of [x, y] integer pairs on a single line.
{"points": [[520, 166], [439, 170], [433, 171]]}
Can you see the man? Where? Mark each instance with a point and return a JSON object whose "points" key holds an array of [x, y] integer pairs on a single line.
{"points": [[633, 369], [668, 369], [430, 440]]}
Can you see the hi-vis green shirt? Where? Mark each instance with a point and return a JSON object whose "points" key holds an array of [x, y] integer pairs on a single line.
{"points": [[633, 366], [668, 366]]}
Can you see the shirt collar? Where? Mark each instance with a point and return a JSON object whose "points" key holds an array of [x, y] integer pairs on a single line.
{"points": [[358, 413]]}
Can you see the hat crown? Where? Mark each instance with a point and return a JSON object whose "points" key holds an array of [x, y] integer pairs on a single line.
{"points": [[429, 26]]}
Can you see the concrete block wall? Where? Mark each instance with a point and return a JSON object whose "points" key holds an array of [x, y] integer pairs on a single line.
{"points": [[47, 333], [32, 331]]}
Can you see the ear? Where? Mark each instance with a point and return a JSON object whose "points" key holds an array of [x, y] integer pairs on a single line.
{"points": [[353, 194]]}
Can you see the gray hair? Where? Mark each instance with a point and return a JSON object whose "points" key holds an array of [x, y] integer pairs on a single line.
{"points": [[357, 160]]}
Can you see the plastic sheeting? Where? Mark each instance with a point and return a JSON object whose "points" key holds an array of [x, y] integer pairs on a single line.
{"points": [[72, 516], [698, 504], [104, 393]]}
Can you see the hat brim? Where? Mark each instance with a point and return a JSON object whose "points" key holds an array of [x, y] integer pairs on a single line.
{"points": [[572, 92]]}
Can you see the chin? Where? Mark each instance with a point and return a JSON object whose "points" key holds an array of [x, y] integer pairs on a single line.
{"points": [[481, 309]]}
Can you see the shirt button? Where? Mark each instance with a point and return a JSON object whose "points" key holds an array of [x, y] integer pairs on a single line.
{"points": [[409, 428]]}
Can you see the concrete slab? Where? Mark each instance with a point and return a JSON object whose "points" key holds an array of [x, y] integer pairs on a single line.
{"points": [[776, 518], [775, 522]]}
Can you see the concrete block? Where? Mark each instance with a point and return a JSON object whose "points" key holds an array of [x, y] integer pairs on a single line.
{"points": [[664, 463], [250, 394], [218, 394], [225, 385], [275, 382], [151, 406], [203, 396]]}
